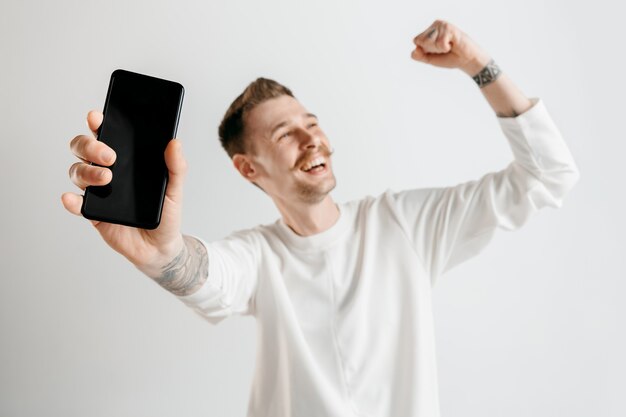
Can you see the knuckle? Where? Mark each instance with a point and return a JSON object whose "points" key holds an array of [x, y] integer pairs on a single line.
{"points": [[84, 175], [89, 148], [94, 174], [74, 142], [82, 145], [73, 171]]}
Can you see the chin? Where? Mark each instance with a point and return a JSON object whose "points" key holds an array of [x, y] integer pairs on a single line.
{"points": [[316, 193]]}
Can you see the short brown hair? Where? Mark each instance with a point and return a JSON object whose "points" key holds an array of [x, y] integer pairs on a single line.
{"points": [[232, 128]]}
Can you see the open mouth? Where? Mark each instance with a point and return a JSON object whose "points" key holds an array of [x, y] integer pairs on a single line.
{"points": [[314, 166]]}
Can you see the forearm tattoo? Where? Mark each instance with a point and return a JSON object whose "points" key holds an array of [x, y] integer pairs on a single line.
{"points": [[488, 74], [186, 273]]}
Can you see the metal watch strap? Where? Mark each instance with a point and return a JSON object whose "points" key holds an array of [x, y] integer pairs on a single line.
{"points": [[488, 74]]}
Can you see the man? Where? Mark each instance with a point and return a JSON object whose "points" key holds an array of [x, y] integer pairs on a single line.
{"points": [[341, 292]]}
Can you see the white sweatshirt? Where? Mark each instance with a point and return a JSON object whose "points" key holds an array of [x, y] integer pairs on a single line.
{"points": [[344, 317]]}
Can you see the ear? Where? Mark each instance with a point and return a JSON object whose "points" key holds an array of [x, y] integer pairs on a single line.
{"points": [[245, 166]]}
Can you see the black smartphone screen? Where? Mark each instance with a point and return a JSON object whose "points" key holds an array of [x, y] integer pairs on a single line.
{"points": [[140, 118]]}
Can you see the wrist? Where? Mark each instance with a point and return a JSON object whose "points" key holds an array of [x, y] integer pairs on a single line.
{"points": [[162, 257], [488, 74], [186, 272], [476, 65]]}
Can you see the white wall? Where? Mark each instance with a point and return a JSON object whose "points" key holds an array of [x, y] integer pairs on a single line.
{"points": [[532, 326]]}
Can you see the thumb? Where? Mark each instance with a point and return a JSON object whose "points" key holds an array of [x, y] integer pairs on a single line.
{"points": [[177, 168], [418, 54], [437, 59]]}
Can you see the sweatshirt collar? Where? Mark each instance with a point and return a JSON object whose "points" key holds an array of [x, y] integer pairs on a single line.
{"points": [[317, 241]]}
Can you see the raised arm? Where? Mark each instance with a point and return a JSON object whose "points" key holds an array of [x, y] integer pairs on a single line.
{"points": [[445, 45], [449, 225]]}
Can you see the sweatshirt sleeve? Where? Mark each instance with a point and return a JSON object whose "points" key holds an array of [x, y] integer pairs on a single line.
{"points": [[449, 225], [232, 278]]}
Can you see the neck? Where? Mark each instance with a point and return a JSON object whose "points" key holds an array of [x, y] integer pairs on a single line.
{"points": [[307, 219]]}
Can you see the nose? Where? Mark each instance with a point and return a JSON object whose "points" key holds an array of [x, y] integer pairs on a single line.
{"points": [[308, 139]]}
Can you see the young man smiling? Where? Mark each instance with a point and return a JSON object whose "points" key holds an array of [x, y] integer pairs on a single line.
{"points": [[283, 150], [341, 292]]}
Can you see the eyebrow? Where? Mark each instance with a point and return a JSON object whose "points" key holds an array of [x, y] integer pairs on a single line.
{"points": [[284, 123]]}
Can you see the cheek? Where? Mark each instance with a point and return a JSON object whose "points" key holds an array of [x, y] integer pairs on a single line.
{"points": [[285, 161], [274, 167]]}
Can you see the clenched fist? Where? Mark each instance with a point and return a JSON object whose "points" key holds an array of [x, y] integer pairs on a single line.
{"points": [[445, 45]]}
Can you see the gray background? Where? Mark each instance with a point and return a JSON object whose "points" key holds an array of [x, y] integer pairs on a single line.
{"points": [[532, 326]]}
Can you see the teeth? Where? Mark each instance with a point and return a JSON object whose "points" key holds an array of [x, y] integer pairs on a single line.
{"points": [[313, 163]]}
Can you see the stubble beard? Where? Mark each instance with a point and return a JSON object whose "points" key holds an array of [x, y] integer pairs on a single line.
{"points": [[316, 193]]}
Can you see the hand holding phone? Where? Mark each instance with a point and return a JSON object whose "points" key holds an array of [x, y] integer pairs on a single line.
{"points": [[143, 247], [140, 117]]}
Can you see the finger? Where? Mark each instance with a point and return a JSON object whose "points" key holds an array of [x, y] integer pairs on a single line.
{"points": [[72, 202], [91, 150], [94, 120], [426, 35], [432, 33], [432, 40], [177, 168], [418, 54], [84, 175], [442, 42]]}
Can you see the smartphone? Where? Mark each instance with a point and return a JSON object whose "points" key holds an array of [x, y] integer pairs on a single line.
{"points": [[141, 116]]}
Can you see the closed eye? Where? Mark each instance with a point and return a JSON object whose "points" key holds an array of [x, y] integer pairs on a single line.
{"points": [[288, 133]]}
